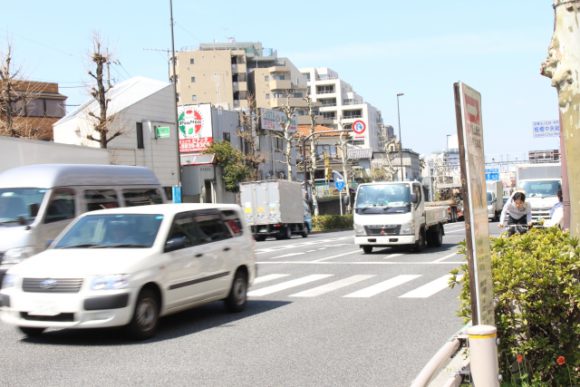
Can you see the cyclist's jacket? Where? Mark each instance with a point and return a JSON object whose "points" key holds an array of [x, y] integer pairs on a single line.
{"points": [[510, 209]]}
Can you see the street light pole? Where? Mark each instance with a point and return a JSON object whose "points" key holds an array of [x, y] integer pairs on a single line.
{"points": [[400, 140]]}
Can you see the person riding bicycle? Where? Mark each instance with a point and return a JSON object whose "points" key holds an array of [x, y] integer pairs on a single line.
{"points": [[516, 212]]}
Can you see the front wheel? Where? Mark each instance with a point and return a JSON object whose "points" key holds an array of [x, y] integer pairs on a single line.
{"points": [[238, 296], [31, 332], [420, 243], [143, 325]]}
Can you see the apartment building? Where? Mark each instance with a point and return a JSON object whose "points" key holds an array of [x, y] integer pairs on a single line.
{"points": [[346, 109], [38, 106], [224, 74]]}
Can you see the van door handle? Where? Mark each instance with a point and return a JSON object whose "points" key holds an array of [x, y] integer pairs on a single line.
{"points": [[198, 255], [227, 249]]}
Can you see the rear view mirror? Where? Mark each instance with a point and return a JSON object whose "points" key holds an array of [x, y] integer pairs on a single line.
{"points": [[414, 198], [175, 243]]}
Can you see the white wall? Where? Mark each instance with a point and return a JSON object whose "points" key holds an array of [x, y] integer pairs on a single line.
{"points": [[15, 152]]}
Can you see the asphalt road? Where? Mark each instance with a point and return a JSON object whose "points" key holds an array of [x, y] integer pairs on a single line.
{"points": [[320, 314]]}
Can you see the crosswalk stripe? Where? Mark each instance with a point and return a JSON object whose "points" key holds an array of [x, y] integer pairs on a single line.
{"points": [[288, 284], [269, 277], [382, 286], [317, 291], [445, 257], [429, 288]]}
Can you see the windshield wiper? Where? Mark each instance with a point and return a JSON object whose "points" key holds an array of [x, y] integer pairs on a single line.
{"points": [[81, 246], [121, 245]]}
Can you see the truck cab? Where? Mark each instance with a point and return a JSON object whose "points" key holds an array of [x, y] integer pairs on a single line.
{"points": [[395, 213]]}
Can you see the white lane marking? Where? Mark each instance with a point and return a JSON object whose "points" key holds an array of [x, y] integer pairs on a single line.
{"points": [[288, 284], [382, 286], [357, 263], [311, 251], [336, 256], [296, 245], [317, 291], [287, 255], [269, 277], [445, 257], [429, 288], [392, 256]]}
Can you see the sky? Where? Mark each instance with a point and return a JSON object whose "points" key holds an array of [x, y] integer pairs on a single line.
{"points": [[381, 48]]}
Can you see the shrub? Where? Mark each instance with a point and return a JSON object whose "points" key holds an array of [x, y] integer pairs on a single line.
{"points": [[332, 222], [536, 284]]}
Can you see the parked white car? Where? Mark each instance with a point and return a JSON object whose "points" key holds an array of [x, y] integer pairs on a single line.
{"points": [[129, 266]]}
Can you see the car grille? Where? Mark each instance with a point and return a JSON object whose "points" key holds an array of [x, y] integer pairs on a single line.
{"points": [[62, 317], [52, 285], [387, 229]]}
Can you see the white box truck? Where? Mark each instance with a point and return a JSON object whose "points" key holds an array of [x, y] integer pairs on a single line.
{"points": [[274, 208], [541, 183], [494, 196], [396, 214]]}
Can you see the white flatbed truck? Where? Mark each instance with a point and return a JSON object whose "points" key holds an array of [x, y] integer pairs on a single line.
{"points": [[396, 214]]}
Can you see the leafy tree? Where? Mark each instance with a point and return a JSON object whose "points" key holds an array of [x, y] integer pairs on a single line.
{"points": [[231, 161]]}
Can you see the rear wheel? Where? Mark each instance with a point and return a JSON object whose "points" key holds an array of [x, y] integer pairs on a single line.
{"points": [[304, 230], [435, 236], [238, 296], [288, 232], [367, 249], [32, 332], [143, 325]]}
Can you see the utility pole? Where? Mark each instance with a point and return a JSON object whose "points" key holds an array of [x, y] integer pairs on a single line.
{"points": [[561, 66], [400, 139], [343, 148], [174, 81]]}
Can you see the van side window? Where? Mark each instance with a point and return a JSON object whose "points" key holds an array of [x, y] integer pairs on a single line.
{"points": [[212, 225], [61, 206], [233, 222], [98, 199], [142, 196], [184, 226]]}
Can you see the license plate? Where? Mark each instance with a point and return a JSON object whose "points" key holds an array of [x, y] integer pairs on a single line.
{"points": [[44, 309]]}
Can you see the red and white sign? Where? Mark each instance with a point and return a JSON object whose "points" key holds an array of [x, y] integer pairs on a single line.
{"points": [[359, 127], [195, 128]]}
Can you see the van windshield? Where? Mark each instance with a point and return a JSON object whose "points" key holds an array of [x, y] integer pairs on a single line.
{"points": [[384, 197], [20, 205], [541, 188], [112, 231]]}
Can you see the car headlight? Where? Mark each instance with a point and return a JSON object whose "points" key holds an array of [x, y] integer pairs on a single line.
{"points": [[17, 254], [359, 229], [407, 228], [110, 282], [9, 281]]}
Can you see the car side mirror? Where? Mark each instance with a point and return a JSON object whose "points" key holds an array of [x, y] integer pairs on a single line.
{"points": [[175, 243], [414, 198]]}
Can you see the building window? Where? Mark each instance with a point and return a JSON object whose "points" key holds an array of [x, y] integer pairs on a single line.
{"points": [[267, 96], [278, 144], [266, 78], [226, 136], [139, 130], [325, 89], [192, 79], [191, 61], [193, 98]]}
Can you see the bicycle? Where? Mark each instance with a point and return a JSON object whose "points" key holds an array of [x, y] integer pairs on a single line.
{"points": [[517, 228]]}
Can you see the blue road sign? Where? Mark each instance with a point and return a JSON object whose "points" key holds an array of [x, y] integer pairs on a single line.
{"points": [[491, 174], [339, 184]]}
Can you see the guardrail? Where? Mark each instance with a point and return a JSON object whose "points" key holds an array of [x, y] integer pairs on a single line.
{"points": [[441, 359]]}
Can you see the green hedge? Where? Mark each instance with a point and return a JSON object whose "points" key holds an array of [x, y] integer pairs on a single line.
{"points": [[536, 284], [331, 222]]}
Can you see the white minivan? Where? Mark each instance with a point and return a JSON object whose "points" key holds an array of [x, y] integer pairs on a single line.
{"points": [[129, 266], [38, 201]]}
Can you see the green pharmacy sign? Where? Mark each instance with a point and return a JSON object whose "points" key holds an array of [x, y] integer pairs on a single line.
{"points": [[162, 132]]}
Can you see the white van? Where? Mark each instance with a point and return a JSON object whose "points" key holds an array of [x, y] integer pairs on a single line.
{"points": [[129, 266], [38, 201]]}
